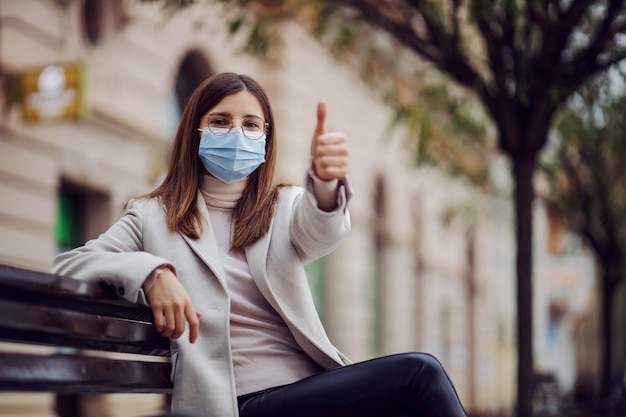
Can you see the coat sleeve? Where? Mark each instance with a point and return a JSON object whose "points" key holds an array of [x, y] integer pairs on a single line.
{"points": [[116, 257], [316, 233]]}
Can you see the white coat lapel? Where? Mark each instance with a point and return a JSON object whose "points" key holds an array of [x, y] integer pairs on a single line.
{"points": [[256, 254], [206, 246]]}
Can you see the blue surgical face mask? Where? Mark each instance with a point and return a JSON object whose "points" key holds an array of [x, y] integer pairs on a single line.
{"points": [[231, 157]]}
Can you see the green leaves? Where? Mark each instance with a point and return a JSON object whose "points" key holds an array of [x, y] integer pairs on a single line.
{"points": [[586, 175], [448, 134]]}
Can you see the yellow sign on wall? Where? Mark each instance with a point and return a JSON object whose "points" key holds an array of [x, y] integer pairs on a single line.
{"points": [[53, 92]]}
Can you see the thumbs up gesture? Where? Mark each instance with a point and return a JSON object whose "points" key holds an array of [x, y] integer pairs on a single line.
{"points": [[329, 150]]}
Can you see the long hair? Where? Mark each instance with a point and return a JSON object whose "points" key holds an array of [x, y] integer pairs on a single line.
{"points": [[178, 193]]}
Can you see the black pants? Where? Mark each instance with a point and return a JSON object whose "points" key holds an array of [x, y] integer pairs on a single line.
{"points": [[404, 385]]}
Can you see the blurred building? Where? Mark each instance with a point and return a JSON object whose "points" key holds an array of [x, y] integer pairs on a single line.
{"points": [[92, 92]]}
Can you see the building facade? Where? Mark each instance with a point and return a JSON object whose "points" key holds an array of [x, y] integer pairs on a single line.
{"points": [[428, 265]]}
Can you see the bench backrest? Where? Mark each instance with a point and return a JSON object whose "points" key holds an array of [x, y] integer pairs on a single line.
{"points": [[44, 309]]}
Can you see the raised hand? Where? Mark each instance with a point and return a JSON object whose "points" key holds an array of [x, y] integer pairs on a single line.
{"points": [[329, 150]]}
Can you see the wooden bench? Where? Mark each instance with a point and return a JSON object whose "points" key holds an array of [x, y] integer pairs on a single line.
{"points": [[43, 309]]}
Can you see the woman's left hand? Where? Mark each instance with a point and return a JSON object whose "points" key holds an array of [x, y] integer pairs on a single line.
{"points": [[329, 150]]}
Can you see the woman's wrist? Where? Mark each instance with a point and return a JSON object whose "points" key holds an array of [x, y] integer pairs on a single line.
{"points": [[154, 275], [325, 192]]}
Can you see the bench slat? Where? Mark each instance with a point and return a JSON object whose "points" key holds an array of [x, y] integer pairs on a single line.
{"points": [[69, 293], [54, 326], [45, 309], [82, 374]]}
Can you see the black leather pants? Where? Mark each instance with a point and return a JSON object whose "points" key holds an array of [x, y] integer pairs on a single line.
{"points": [[403, 385]]}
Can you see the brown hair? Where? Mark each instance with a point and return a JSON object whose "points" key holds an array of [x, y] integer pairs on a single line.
{"points": [[178, 193]]}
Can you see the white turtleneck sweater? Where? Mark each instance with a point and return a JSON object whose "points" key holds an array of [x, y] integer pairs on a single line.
{"points": [[264, 352]]}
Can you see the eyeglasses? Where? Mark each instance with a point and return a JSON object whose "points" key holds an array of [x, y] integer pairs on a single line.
{"points": [[253, 127]]}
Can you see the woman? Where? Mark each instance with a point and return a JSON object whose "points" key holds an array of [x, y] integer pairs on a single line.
{"points": [[217, 252]]}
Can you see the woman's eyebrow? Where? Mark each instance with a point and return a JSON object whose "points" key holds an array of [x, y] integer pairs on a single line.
{"points": [[221, 113]]}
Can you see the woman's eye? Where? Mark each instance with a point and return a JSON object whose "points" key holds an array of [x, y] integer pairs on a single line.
{"points": [[220, 122], [252, 124]]}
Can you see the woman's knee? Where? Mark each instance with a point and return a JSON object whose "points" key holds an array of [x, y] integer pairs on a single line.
{"points": [[422, 362]]}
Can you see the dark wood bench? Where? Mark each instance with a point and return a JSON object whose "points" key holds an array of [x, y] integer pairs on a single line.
{"points": [[43, 309]]}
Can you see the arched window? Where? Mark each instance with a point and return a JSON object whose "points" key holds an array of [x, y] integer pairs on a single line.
{"points": [[376, 290], [101, 19], [193, 69]]}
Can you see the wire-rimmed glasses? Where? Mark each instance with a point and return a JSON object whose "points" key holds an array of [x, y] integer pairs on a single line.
{"points": [[219, 124]]}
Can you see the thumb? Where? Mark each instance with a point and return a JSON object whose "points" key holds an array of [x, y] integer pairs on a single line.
{"points": [[321, 118]]}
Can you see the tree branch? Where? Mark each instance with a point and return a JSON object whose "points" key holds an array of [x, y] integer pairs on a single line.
{"points": [[437, 47], [571, 17], [503, 106], [402, 31], [585, 61], [455, 21]]}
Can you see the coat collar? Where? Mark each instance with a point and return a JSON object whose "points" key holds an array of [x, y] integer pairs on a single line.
{"points": [[206, 245], [256, 254]]}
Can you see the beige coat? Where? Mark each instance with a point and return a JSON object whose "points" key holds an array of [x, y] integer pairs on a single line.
{"points": [[140, 241]]}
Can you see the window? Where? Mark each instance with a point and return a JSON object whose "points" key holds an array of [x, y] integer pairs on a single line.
{"points": [[378, 268], [557, 310], [193, 70], [556, 232], [315, 274], [101, 18], [82, 214], [93, 20], [446, 333], [69, 218]]}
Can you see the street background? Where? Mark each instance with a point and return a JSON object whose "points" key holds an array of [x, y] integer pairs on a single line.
{"points": [[428, 266]]}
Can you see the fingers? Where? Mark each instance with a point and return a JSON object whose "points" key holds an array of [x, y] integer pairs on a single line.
{"points": [[170, 323], [172, 308], [320, 128], [194, 324], [159, 321], [330, 156], [329, 151]]}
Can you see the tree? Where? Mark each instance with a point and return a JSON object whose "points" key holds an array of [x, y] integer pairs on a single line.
{"points": [[538, 53], [522, 60], [587, 185]]}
